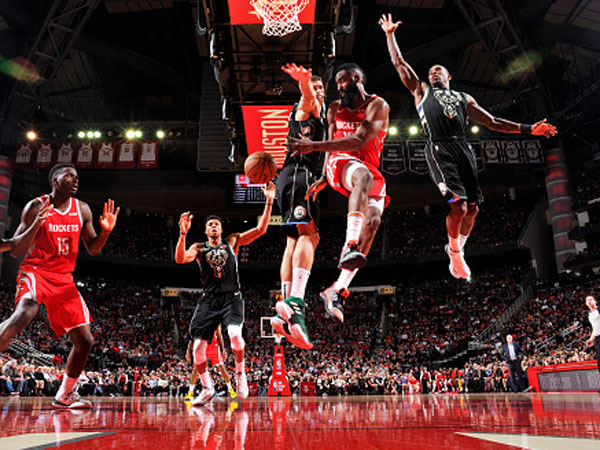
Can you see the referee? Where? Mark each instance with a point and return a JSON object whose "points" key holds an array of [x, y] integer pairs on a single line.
{"points": [[594, 317]]}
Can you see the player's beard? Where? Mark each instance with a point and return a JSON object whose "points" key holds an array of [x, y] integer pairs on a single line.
{"points": [[351, 94]]}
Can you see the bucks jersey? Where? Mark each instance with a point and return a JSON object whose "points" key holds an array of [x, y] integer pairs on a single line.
{"points": [[443, 114], [314, 128], [218, 268]]}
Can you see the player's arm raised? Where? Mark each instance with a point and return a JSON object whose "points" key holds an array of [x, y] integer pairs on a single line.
{"points": [[407, 74], [238, 239], [481, 116], [33, 217], [308, 105], [376, 119], [94, 242], [183, 256]]}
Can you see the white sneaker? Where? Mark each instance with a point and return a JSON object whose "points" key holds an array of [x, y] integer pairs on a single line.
{"points": [[71, 401], [241, 385], [458, 266], [205, 396]]}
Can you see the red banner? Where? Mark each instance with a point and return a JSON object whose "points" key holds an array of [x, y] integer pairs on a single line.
{"points": [[148, 158], [85, 155], [105, 156], [267, 129], [44, 156], [127, 155], [24, 155], [242, 13], [64, 154]]}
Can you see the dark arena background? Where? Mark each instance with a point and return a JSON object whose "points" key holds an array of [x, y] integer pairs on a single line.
{"points": [[158, 103]]}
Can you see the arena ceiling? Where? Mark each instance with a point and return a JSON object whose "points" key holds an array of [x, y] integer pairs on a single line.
{"points": [[139, 61]]}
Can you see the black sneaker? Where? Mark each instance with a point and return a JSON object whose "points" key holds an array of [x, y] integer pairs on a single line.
{"points": [[334, 302], [351, 257]]}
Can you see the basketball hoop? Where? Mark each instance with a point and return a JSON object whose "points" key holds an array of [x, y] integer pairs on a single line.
{"points": [[280, 16]]}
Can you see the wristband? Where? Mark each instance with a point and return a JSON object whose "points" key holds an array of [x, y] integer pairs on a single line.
{"points": [[182, 234], [526, 129]]}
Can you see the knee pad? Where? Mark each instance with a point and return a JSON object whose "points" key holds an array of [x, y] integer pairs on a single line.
{"points": [[235, 336], [200, 351]]}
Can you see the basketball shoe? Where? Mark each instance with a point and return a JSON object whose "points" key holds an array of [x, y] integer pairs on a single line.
{"points": [[351, 257], [281, 327], [334, 302], [458, 266], [292, 311], [190, 395], [241, 384], [205, 396], [71, 401]]}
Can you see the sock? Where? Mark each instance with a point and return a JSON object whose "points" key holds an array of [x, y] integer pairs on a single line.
{"points": [[355, 221], [454, 244], [299, 284], [206, 381], [229, 387], [191, 391], [67, 385], [240, 366], [345, 279], [462, 240], [285, 289]]}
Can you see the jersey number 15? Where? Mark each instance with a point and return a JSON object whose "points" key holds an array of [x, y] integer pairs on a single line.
{"points": [[64, 245]]}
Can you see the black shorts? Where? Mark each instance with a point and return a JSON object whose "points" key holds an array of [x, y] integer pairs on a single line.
{"points": [[453, 169], [214, 309], [292, 184]]}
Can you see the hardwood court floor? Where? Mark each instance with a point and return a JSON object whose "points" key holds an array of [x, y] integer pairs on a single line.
{"points": [[476, 421]]}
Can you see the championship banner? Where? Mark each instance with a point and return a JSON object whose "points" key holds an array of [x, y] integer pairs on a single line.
{"points": [[44, 156], [64, 154], [416, 157], [84, 155], [392, 159], [491, 151], [532, 152], [511, 152], [24, 155], [267, 129], [243, 13], [148, 157], [105, 156], [126, 156], [476, 147]]}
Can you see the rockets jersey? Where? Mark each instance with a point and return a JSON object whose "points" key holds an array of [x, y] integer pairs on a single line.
{"points": [[56, 244], [347, 122]]}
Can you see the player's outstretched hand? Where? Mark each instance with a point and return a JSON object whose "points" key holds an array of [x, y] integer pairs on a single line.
{"points": [[298, 73], [315, 188], [185, 222], [387, 24], [542, 128], [108, 219], [300, 146], [269, 191], [42, 214]]}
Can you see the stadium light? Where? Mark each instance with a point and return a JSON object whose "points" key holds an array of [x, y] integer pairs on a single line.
{"points": [[474, 129], [31, 135], [138, 133], [413, 130], [130, 134], [160, 134], [81, 134], [393, 131], [97, 134], [90, 134]]}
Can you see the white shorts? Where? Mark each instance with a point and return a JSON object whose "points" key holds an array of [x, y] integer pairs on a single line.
{"points": [[347, 171]]}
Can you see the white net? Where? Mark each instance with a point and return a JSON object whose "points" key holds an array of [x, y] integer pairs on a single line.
{"points": [[280, 16]]}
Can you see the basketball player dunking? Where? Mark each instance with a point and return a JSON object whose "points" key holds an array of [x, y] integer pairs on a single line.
{"points": [[221, 301], [300, 214], [45, 275], [444, 114], [358, 123]]}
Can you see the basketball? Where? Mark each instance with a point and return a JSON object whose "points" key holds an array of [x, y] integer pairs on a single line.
{"points": [[260, 167]]}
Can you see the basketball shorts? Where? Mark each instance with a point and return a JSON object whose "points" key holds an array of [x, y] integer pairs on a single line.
{"points": [[339, 174], [65, 305], [453, 169], [214, 308], [292, 185], [213, 353]]}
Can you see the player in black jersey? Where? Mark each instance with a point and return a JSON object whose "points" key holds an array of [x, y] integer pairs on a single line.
{"points": [[221, 300], [300, 214], [444, 114]]}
